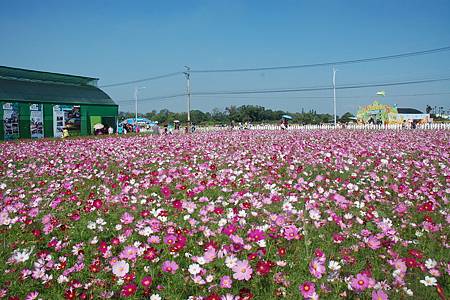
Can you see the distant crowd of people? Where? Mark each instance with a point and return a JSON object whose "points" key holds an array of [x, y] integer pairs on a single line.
{"points": [[165, 128]]}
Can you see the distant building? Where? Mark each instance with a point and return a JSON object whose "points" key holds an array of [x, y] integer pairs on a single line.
{"points": [[377, 113], [35, 104], [411, 114]]}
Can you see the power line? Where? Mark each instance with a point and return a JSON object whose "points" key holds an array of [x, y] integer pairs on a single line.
{"points": [[311, 89], [323, 64], [155, 98], [126, 102], [289, 90], [293, 90], [331, 97], [395, 56], [142, 80]]}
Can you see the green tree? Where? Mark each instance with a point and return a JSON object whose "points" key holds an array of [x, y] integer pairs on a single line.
{"points": [[347, 117]]}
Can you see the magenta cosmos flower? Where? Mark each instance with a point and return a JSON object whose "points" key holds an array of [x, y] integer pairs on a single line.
{"points": [[307, 289], [242, 270], [255, 235], [169, 266], [146, 281]]}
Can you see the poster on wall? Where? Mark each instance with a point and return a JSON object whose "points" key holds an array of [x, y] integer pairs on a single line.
{"points": [[36, 121], [66, 116], [11, 121]]}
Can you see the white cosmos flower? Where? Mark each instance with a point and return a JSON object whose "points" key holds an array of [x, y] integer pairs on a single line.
{"points": [[94, 240], [429, 281], [430, 263], [222, 222], [201, 260], [231, 261], [120, 268], [314, 214], [100, 221], [146, 231], [21, 256], [194, 269], [155, 297], [334, 265], [261, 243], [62, 279], [408, 291]]}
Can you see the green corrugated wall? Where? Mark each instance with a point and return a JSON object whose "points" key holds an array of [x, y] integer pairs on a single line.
{"points": [[1, 122], [24, 120], [48, 120]]}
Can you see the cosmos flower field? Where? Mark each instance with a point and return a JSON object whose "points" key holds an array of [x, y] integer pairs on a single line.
{"points": [[230, 215]]}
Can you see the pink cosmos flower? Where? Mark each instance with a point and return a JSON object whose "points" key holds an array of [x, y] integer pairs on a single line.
{"points": [[379, 295], [291, 233], [154, 239], [130, 252], [169, 266], [225, 282], [242, 270], [317, 268], [360, 282], [126, 218], [401, 208], [32, 295], [170, 239], [209, 255], [307, 289], [373, 243]]}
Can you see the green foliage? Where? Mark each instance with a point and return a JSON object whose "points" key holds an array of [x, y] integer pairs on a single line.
{"points": [[244, 113]]}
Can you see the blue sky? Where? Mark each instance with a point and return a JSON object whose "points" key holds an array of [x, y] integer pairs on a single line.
{"points": [[119, 41]]}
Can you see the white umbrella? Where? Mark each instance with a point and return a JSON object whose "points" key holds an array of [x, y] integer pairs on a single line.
{"points": [[98, 126]]}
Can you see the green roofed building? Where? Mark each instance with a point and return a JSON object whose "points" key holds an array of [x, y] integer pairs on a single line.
{"points": [[35, 104]]}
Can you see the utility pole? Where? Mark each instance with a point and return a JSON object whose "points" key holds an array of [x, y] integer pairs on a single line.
{"points": [[188, 92], [334, 95], [135, 104], [136, 90]]}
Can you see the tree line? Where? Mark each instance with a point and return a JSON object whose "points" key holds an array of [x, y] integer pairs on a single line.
{"points": [[244, 113]]}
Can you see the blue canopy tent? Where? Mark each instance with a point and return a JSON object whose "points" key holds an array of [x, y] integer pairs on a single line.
{"points": [[139, 121]]}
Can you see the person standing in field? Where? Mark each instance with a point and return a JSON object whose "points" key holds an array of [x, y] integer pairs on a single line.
{"points": [[65, 133]]}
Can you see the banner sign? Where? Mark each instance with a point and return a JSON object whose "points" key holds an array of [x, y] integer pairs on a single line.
{"points": [[67, 116], [11, 121], [36, 121]]}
